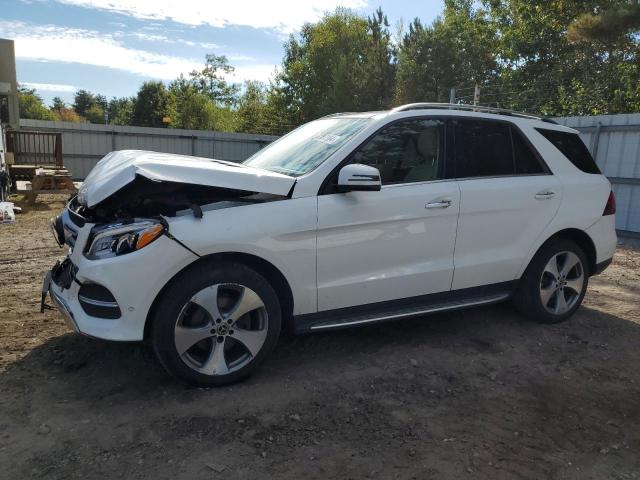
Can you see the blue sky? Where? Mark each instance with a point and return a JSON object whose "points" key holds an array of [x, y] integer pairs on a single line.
{"points": [[112, 46]]}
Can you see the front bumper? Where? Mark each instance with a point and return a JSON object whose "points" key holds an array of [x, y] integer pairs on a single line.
{"points": [[134, 280], [64, 309]]}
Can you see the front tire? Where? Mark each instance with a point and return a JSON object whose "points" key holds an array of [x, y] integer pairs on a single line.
{"points": [[554, 284], [216, 323]]}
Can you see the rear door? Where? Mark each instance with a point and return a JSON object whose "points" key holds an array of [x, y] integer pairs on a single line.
{"points": [[507, 197], [398, 242]]}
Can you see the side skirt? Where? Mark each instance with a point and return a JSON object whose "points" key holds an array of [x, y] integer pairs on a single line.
{"points": [[403, 308]]}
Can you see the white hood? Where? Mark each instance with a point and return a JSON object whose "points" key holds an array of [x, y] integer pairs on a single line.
{"points": [[119, 168]]}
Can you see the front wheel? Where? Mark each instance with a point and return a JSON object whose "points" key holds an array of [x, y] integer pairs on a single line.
{"points": [[554, 284], [216, 324]]}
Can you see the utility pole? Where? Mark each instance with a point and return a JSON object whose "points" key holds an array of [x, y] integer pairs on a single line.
{"points": [[452, 96]]}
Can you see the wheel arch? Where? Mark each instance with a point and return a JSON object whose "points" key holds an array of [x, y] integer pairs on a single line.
{"points": [[262, 266], [580, 238]]}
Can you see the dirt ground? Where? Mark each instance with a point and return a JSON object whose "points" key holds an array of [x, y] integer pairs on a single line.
{"points": [[473, 394]]}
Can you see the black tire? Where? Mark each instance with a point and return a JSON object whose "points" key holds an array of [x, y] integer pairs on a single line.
{"points": [[178, 298], [529, 297]]}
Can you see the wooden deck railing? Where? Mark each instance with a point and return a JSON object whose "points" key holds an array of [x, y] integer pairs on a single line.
{"points": [[35, 148]]}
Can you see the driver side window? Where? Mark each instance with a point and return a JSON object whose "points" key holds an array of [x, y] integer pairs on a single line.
{"points": [[406, 152]]}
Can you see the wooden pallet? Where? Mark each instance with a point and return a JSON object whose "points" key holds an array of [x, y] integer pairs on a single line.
{"points": [[53, 181]]}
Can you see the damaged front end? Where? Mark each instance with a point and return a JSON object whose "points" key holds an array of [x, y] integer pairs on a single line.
{"points": [[127, 198], [136, 214], [148, 198]]}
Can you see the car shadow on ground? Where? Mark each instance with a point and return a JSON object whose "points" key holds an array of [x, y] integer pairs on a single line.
{"points": [[77, 366]]}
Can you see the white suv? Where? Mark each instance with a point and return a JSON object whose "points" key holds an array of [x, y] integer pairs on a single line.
{"points": [[348, 220]]}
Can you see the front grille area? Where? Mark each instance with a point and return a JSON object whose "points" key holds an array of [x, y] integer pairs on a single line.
{"points": [[98, 301]]}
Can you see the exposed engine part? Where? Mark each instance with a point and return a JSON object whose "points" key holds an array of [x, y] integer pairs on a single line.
{"points": [[148, 198]]}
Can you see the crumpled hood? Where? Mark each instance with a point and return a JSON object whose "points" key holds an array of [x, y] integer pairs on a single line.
{"points": [[120, 168]]}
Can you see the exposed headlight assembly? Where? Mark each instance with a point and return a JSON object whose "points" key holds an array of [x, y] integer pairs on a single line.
{"points": [[119, 239]]}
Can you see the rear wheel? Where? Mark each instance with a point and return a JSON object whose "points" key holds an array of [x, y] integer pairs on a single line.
{"points": [[554, 284], [216, 324]]}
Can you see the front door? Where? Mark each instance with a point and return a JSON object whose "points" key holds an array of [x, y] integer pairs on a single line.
{"points": [[398, 242]]}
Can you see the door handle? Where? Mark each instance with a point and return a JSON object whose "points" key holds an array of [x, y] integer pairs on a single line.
{"points": [[545, 195], [440, 204]]}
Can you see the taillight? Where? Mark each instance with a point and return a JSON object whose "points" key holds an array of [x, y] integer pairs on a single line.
{"points": [[610, 207]]}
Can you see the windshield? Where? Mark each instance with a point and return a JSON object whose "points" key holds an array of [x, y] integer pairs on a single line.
{"points": [[306, 147]]}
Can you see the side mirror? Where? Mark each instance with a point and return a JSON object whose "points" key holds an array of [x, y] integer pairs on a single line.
{"points": [[356, 177]]}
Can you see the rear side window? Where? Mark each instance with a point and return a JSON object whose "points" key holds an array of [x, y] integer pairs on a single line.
{"points": [[483, 149], [490, 149], [571, 147], [527, 161]]}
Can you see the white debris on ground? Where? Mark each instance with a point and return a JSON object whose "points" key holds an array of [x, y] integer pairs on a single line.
{"points": [[8, 212]]}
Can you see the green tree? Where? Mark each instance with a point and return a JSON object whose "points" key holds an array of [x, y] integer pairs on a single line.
{"points": [[547, 71], [609, 24], [63, 113], [31, 105], [90, 106], [120, 110], [380, 64], [83, 100], [252, 115], [193, 109], [212, 82], [151, 105], [341, 63], [456, 50], [95, 114], [57, 104]]}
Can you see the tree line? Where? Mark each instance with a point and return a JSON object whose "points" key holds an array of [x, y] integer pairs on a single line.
{"points": [[570, 57]]}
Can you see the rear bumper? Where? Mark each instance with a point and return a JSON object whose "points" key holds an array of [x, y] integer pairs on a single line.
{"points": [[601, 267], [603, 235]]}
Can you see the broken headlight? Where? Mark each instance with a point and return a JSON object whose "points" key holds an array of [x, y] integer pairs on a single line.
{"points": [[118, 239]]}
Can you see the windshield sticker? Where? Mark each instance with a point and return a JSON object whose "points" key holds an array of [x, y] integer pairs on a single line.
{"points": [[327, 138]]}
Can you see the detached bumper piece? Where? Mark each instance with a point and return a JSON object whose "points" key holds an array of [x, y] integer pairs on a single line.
{"points": [[98, 301], [58, 301], [65, 310]]}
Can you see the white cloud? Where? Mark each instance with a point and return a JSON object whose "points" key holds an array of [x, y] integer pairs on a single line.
{"points": [[240, 58], [283, 15], [49, 87], [262, 72], [151, 37], [52, 43], [60, 44], [190, 43]]}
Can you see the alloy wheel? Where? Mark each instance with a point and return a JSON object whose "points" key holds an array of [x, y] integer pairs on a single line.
{"points": [[221, 329], [561, 282]]}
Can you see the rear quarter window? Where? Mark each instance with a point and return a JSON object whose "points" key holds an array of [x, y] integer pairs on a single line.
{"points": [[571, 147]]}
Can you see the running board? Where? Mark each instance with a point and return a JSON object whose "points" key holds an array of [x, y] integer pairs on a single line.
{"points": [[398, 309]]}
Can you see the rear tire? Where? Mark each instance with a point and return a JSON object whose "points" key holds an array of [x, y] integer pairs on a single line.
{"points": [[216, 323], [554, 284]]}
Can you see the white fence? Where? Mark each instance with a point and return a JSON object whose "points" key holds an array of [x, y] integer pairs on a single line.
{"points": [[614, 142], [83, 144]]}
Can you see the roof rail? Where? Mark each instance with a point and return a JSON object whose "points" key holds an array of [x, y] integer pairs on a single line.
{"points": [[458, 106]]}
